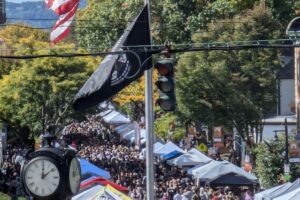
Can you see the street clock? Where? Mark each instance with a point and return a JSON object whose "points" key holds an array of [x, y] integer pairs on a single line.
{"points": [[51, 173]]}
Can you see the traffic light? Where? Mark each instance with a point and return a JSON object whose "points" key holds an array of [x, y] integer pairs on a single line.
{"points": [[166, 85]]}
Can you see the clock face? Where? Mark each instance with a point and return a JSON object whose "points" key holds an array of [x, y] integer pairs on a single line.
{"points": [[41, 177], [74, 175]]}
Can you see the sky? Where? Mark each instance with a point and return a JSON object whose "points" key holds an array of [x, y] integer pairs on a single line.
{"points": [[20, 1]]}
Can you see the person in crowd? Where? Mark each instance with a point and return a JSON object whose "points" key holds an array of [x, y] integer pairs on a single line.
{"points": [[248, 195], [203, 194]]}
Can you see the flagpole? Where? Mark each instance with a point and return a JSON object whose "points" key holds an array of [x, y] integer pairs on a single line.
{"points": [[149, 122]]}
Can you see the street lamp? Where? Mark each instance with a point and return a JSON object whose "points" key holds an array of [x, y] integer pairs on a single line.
{"points": [[286, 152]]}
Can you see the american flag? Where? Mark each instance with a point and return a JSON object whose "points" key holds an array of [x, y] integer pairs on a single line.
{"points": [[66, 10]]}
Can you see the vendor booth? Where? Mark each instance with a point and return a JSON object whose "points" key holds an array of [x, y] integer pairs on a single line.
{"points": [[192, 158], [222, 173]]}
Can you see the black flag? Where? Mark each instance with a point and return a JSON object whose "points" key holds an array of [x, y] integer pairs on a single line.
{"points": [[117, 71]]}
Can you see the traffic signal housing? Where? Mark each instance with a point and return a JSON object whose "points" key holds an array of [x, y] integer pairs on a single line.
{"points": [[166, 84]]}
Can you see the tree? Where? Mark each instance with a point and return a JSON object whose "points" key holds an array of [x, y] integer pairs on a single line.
{"points": [[100, 24], [270, 160], [39, 92], [19, 40], [231, 88]]}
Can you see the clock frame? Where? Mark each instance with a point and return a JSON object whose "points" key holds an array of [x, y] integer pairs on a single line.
{"points": [[41, 176]]}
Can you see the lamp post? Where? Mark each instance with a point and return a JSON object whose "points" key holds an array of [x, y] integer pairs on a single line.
{"points": [[286, 164], [286, 156]]}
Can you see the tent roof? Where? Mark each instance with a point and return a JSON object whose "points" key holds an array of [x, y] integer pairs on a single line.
{"points": [[84, 195], [157, 145], [260, 195], [231, 179], [191, 158], [171, 155], [115, 117], [290, 195], [110, 193], [216, 169], [168, 148], [88, 170], [104, 182], [284, 190]]}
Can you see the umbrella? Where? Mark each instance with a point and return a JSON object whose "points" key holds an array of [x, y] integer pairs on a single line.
{"points": [[104, 182], [88, 170], [191, 158]]}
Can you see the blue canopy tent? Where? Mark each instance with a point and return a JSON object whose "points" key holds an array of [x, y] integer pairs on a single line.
{"points": [[171, 155], [88, 170], [167, 148]]}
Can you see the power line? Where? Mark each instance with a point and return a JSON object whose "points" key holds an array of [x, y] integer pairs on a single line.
{"points": [[41, 28], [116, 21], [180, 48], [159, 46]]}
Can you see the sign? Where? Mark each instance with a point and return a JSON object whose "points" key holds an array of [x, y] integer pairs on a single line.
{"points": [[286, 169], [202, 147], [294, 160], [218, 137], [294, 149]]}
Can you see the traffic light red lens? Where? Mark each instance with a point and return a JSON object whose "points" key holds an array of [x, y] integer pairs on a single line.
{"points": [[163, 70]]}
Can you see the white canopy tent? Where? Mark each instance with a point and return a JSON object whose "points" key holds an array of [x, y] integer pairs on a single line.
{"points": [[115, 117], [191, 158], [287, 188], [156, 145], [142, 136], [293, 195], [167, 148], [124, 128], [89, 192], [216, 169], [260, 195]]}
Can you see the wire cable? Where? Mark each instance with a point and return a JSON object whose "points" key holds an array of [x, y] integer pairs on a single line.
{"points": [[209, 47]]}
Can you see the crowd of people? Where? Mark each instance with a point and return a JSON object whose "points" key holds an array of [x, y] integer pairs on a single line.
{"points": [[127, 166], [99, 143], [10, 171]]}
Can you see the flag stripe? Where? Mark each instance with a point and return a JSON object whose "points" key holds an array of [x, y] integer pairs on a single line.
{"points": [[61, 36], [61, 7], [66, 17], [66, 10], [60, 30]]}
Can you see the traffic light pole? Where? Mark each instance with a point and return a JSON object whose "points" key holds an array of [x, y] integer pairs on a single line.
{"points": [[149, 123]]}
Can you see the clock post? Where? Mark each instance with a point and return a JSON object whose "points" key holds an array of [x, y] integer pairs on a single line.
{"points": [[51, 173]]}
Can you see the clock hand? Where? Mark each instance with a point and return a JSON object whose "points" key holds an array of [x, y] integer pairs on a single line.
{"points": [[46, 174], [43, 174], [74, 171]]}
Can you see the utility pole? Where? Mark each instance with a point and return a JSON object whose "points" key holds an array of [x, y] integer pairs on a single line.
{"points": [[149, 122], [2, 12]]}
